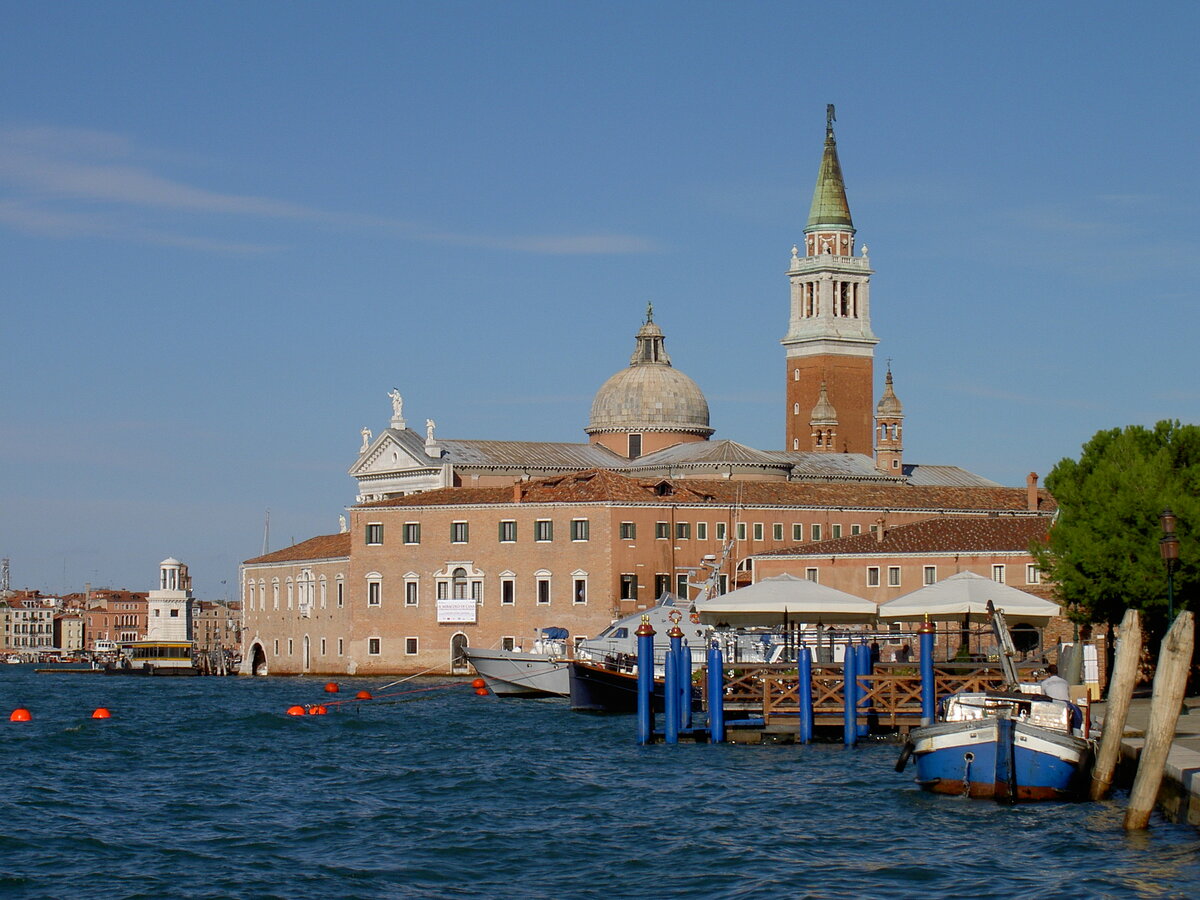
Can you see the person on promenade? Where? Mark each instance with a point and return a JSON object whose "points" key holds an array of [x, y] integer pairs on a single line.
{"points": [[1054, 686]]}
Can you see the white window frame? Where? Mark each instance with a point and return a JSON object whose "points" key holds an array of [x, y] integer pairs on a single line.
{"points": [[412, 590], [999, 573], [374, 530], [579, 577], [374, 590], [541, 577], [543, 526], [412, 645], [872, 576], [411, 530], [510, 579], [929, 574], [758, 531], [1033, 575], [815, 530], [513, 524], [628, 531], [721, 531], [777, 531], [740, 531], [893, 576], [377, 641], [812, 574], [581, 530], [702, 531], [460, 532]]}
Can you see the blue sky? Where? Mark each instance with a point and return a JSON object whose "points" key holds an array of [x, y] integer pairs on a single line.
{"points": [[228, 230]]}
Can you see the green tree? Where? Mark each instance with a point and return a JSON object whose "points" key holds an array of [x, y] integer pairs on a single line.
{"points": [[1103, 551]]}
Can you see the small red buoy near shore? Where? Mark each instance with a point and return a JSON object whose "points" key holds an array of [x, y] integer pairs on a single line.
{"points": [[481, 692], [20, 714], [295, 710], [317, 710], [363, 695], [478, 683], [331, 687], [101, 713]]}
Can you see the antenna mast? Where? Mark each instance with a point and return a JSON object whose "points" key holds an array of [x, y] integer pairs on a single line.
{"points": [[267, 534]]}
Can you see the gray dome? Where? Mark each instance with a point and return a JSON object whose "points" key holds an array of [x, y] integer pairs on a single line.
{"points": [[650, 395]]}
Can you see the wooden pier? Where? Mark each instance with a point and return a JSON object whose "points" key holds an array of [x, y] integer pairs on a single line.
{"points": [[761, 702]]}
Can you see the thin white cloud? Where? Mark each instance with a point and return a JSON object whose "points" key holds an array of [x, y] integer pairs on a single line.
{"points": [[50, 172]]}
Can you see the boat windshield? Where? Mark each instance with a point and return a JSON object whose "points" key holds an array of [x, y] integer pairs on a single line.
{"points": [[614, 631]]}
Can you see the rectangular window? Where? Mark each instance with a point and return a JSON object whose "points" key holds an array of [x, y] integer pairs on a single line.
{"points": [[635, 446], [340, 646], [723, 583], [998, 573], [893, 576], [662, 531], [702, 531], [276, 646], [579, 592], [373, 646], [837, 531], [628, 531], [1033, 575], [811, 574], [289, 646], [580, 529], [508, 531], [777, 531], [341, 595], [322, 646], [459, 532], [410, 646], [543, 530], [856, 529], [929, 574], [683, 531], [872, 576], [508, 643], [543, 591], [662, 584], [758, 531], [508, 592], [411, 597], [722, 531], [797, 532], [374, 593], [375, 533], [816, 532], [681, 586], [412, 532], [741, 531], [629, 587]]}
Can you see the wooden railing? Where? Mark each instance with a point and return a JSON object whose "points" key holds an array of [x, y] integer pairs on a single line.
{"points": [[891, 697]]}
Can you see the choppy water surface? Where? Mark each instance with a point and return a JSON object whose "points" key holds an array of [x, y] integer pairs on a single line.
{"points": [[202, 787]]}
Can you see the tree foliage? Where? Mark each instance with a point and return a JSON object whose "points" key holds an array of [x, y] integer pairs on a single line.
{"points": [[1103, 551]]}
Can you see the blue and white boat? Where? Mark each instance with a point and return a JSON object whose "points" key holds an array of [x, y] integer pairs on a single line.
{"points": [[1010, 745]]}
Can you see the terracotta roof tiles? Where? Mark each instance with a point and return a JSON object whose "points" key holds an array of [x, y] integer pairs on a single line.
{"points": [[974, 534], [325, 546]]}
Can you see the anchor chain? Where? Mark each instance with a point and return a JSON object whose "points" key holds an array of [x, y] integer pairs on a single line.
{"points": [[968, 758]]}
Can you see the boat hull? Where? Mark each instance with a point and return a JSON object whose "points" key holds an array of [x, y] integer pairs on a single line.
{"points": [[512, 674], [599, 689], [999, 758]]}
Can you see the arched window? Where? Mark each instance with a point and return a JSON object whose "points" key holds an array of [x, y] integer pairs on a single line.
{"points": [[460, 583], [795, 443], [795, 409], [795, 375]]}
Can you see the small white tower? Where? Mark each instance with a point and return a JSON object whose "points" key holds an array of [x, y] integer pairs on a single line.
{"points": [[169, 609]]}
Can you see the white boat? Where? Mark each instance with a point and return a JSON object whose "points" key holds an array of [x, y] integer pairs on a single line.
{"points": [[540, 672]]}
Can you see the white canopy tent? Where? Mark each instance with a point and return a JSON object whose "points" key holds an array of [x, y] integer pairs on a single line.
{"points": [[786, 598], [964, 597]]}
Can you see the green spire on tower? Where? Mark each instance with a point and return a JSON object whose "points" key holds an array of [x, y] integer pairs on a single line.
{"points": [[829, 207]]}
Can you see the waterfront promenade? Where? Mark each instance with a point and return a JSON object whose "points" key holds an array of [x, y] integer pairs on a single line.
{"points": [[1179, 796]]}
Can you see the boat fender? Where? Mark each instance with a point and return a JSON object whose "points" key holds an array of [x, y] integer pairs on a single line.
{"points": [[904, 755]]}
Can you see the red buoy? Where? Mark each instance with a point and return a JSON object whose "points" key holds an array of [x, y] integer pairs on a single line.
{"points": [[481, 692], [295, 710], [478, 683], [317, 710], [363, 695], [101, 713], [331, 687], [20, 714]]}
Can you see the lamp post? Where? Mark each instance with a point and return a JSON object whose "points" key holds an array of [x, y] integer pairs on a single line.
{"points": [[1168, 546]]}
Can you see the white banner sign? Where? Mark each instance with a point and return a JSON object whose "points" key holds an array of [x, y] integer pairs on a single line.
{"points": [[455, 610]]}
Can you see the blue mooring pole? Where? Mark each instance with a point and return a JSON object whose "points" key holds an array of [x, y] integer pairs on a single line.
{"points": [[716, 694], [685, 687], [928, 688], [675, 636], [850, 696], [864, 669], [645, 685], [804, 693], [671, 698]]}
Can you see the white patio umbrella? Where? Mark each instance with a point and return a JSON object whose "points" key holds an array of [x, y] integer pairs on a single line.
{"points": [[964, 597], [786, 598]]}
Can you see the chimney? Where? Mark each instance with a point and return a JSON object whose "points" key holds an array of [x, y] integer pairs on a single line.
{"points": [[518, 491], [1031, 492], [880, 529]]}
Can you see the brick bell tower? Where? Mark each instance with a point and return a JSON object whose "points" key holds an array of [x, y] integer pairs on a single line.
{"points": [[829, 340]]}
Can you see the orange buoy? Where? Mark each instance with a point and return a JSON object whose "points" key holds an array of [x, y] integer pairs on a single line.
{"points": [[20, 714], [101, 713], [317, 710], [331, 687], [478, 683], [363, 695], [481, 692], [295, 710]]}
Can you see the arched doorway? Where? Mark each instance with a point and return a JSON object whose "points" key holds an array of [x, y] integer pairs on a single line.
{"points": [[458, 656], [258, 660]]}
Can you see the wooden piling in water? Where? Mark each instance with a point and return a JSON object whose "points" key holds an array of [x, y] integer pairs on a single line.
{"points": [[1174, 660], [1120, 692]]}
